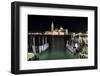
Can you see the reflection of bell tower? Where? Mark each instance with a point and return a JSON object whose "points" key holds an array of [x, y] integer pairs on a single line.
{"points": [[52, 26]]}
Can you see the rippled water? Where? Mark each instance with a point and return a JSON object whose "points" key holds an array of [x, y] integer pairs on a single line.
{"points": [[57, 49]]}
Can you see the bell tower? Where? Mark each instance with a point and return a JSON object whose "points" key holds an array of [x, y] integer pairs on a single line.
{"points": [[52, 27]]}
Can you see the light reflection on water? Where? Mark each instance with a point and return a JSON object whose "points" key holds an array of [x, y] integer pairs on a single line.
{"points": [[56, 50]]}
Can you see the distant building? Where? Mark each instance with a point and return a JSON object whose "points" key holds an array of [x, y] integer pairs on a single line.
{"points": [[66, 31], [59, 31], [52, 27]]}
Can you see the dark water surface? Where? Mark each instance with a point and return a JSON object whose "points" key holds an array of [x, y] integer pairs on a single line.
{"points": [[57, 50]]}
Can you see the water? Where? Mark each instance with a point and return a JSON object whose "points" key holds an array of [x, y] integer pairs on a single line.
{"points": [[57, 49]]}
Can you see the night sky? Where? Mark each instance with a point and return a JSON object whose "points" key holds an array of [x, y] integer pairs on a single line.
{"points": [[40, 23]]}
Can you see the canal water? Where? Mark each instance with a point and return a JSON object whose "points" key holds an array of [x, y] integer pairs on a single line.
{"points": [[57, 49]]}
